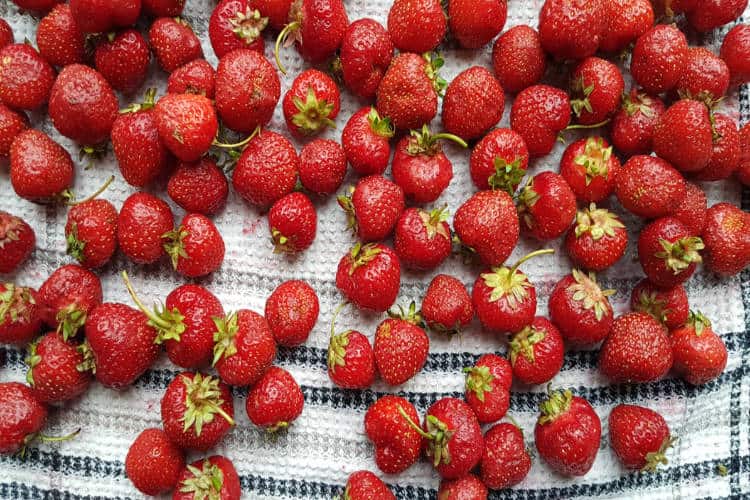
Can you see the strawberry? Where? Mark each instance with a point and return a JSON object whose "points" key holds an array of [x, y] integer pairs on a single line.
{"points": [[743, 170], [487, 223], [447, 306], [174, 43], [518, 58], [57, 370], [212, 477], [727, 239], [275, 401], [626, 21], [401, 346], [20, 317], [474, 23], [365, 54], [123, 60], [649, 187], [504, 298], [536, 352], [705, 76], [546, 206], [474, 102], [153, 463], [668, 253], [699, 354], [422, 239], [351, 361], [322, 166], [735, 51], [416, 25], [488, 387], [539, 113], [659, 58], [636, 350], [187, 124], [266, 170], [6, 34], [633, 125], [91, 232], [714, 13], [567, 433], [67, 297], [364, 485], [59, 40], [98, 16], [639, 437], [581, 309], [40, 169], [597, 86], [244, 347], [277, 11], [369, 276], [669, 306], [506, 461], [26, 78], [36, 6], [725, 156], [12, 123], [292, 222], [196, 247], [420, 167], [499, 161], [121, 343], [195, 77], [597, 240], [292, 311], [365, 140], [17, 241], [143, 220], [82, 105], [234, 24], [163, 8], [408, 92], [397, 443], [572, 29], [311, 104], [24, 417], [689, 122], [468, 487], [590, 169], [373, 207], [203, 177]]}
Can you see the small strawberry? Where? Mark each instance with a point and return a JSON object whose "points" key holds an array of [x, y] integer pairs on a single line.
{"points": [[235, 24], [669, 306], [17, 242], [518, 58], [633, 125], [668, 252], [57, 369], [727, 239], [726, 154], [212, 477], [143, 220], [373, 207], [365, 140], [20, 315], [369, 276], [626, 21], [311, 104], [735, 51], [468, 487], [26, 78], [163, 8], [422, 240], [275, 401], [581, 309], [639, 437], [590, 168], [6, 34], [401, 346], [195, 77], [322, 166], [474, 23], [474, 102], [700, 355], [659, 58], [499, 161], [364, 485], [291, 311], [123, 60], [12, 123], [539, 113], [416, 25], [174, 43], [536, 352], [487, 223], [59, 40], [204, 177], [397, 443], [447, 306], [187, 124], [67, 297], [153, 463], [244, 347], [99, 16], [40, 169], [705, 76], [91, 232], [293, 223], [506, 461], [572, 29], [488, 387], [687, 121], [351, 361], [196, 247], [365, 54], [714, 13], [649, 187], [596, 89], [636, 350], [546, 206]]}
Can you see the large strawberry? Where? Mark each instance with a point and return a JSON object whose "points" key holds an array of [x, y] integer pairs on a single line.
{"points": [[322, 166], [518, 58], [714, 13], [580, 309], [401, 346], [536, 352], [196, 247], [364, 485], [366, 52], [91, 232], [727, 239], [6, 34], [293, 223], [369, 276], [539, 113], [572, 29], [688, 122], [735, 50], [474, 23], [212, 477], [365, 140], [473, 103], [447, 306], [416, 25], [487, 223], [57, 369], [705, 76], [67, 298], [351, 361], [275, 401], [506, 461], [311, 104], [187, 124], [632, 129], [499, 160], [17, 242], [487, 388], [546, 206], [649, 187], [26, 78], [123, 60], [373, 207], [291, 311], [204, 177], [422, 240], [153, 463], [174, 43], [597, 87], [98, 16], [142, 222], [59, 40], [668, 252], [590, 168], [658, 59], [726, 154], [20, 315], [12, 123], [397, 442], [639, 437], [669, 306], [235, 24], [40, 169], [626, 21], [244, 347], [699, 353], [195, 77]]}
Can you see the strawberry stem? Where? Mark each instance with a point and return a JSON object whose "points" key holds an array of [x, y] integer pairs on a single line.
{"points": [[289, 28], [58, 439], [578, 126], [73, 202], [153, 317], [237, 145], [414, 425], [336, 312], [451, 137], [533, 254]]}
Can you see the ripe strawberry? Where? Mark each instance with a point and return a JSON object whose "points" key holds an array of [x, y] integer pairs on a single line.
{"points": [[123, 60], [536, 352], [277, 11], [266, 170], [699, 354], [187, 124], [590, 169], [447, 306], [195, 77], [488, 387], [153, 463], [163, 8], [364, 485], [212, 477], [633, 125], [636, 350], [474, 23], [416, 25], [506, 461], [351, 361], [244, 347], [725, 157], [518, 58], [322, 166], [581, 309], [626, 21], [468, 487], [499, 161], [546, 206], [99, 16], [369, 276], [401, 346], [24, 417], [365, 54], [57, 370], [743, 170], [91, 232], [596, 88], [572, 29], [668, 253], [26, 78], [17, 241], [727, 239], [422, 239], [291, 311], [121, 343], [143, 220], [12, 123], [196, 411], [365, 140], [204, 177], [373, 207], [311, 104], [487, 223], [20, 315], [67, 297], [196, 247], [474, 102], [504, 298], [235, 24], [275, 401], [714, 13], [659, 58], [735, 51], [36, 6], [6, 34], [539, 113], [408, 92], [59, 40], [639, 437], [388, 425], [174, 43], [705, 76], [689, 122], [293, 223], [649, 187], [669, 306]]}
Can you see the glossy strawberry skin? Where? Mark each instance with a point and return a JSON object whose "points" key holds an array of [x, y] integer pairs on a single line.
{"points": [[735, 51], [658, 59], [547, 356], [324, 90], [447, 306], [518, 58], [366, 52], [6, 34], [689, 121], [275, 399], [606, 84], [198, 307], [500, 315], [397, 444], [163, 8], [24, 306], [153, 463], [406, 94], [93, 223], [372, 284], [98, 16], [41, 170], [649, 187], [141, 155], [474, 23], [493, 153], [572, 30], [59, 40], [487, 222], [669, 306], [725, 157], [364, 485], [505, 461], [539, 113], [548, 206], [704, 74], [142, 222], [400, 350], [468, 487], [204, 177], [36, 6], [12, 123], [698, 357], [419, 243], [187, 124], [626, 21], [590, 168], [632, 129], [650, 247], [495, 392], [322, 166], [578, 324], [291, 311], [203, 246], [473, 103], [256, 350], [277, 11], [416, 26], [24, 416], [69, 289], [17, 241], [377, 204], [195, 77], [230, 485], [225, 28], [635, 432], [423, 176], [366, 151], [53, 372], [26, 78], [174, 43], [358, 370], [293, 223], [124, 61], [743, 170], [727, 239], [322, 27], [714, 13], [465, 446]]}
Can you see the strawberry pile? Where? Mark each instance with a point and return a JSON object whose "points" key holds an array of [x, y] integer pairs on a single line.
{"points": [[648, 147]]}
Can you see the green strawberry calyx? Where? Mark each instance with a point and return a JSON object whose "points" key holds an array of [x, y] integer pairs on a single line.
{"points": [[32, 359], [599, 222], [224, 337], [9, 229], [699, 322], [509, 283], [88, 364], [424, 142], [382, 127], [346, 204], [174, 245], [433, 222], [438, 435], [594, 159], [507, 176], [432, 68], [206, 482], [650, 303], [70, 319], [281, 244], [527, 198], [410, 315], [478, 380], [74, 245], [313, 114], [555, 405], [642, 104], [654, 458], [149, 100], [338, 343], [169, 324], [362, 254], [679, 255], [587, 290], [14, 302], [579, 105], [523, 343], [203, 402], [248, 25]]}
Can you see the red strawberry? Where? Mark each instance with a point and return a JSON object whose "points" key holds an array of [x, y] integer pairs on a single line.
{"points": [[668, 252], [364, 485], [580, 309], [57, 370], [36, 6], [369, 276], [68, 297], [689, 122], [474, 102], [91, 232], [546, 206], [639, 437], [197, 411], [636, 350], [626, 21], [590, 169], [365, 140], [506, 461], [596, 88], [6, 34], [422, 239], [659, 58], [20, 317], [266, 170], [699, 354], [474, 23], [670, 306], [187, 124], [518, 58], [244, 347], [416, 25], [401, 346], [17, 241], [536, 352], [572, 29], [373, 207], [735, 51], [196, 247], [292, 311], [24, 417], [163, 8], [59, 40], [488, 387], [195, 77], [26, 78], [277, 11], [40, 169], [12, 123], [235, 24], [468, 487], [365, 54], [487, 223], [499, 161], [312, 103], [275, 401], [174, 43], [504, 298], [292, 222], [567, 433], [447, 306], [322, 166], [726, 154], [212, 477], [351, 361], [711, 14], [397, 443], [142, 222], [727, 239], [705, 76], [539, 113], [153, 463], [98, 16], [743, 170], [650, 187], [203, 177], [633, 125], [123, 60]]}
